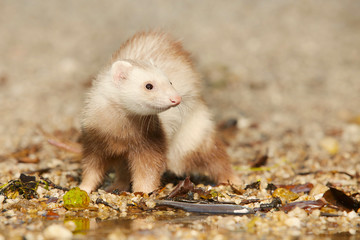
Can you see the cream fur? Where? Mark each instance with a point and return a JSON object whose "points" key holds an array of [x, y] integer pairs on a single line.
{"points": [[186, 131], [119, 104]]}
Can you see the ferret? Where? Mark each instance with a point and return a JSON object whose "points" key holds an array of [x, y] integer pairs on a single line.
{"points": [[144, 115]]}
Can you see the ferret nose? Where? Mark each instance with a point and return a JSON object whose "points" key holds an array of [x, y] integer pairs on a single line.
{"points": [[175, 100]]}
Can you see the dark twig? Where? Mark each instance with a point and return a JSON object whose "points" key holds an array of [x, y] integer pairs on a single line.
{"points": [[51, 184]]}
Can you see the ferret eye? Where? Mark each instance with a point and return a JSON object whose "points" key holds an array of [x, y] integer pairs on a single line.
{"points": [[149, 86], [171, 83]]}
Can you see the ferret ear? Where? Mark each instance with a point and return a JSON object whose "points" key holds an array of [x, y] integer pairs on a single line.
{"points": [[120, 70]]}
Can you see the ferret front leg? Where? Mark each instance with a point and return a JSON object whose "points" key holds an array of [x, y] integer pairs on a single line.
{"points": [[94, 169], [146, 169]]}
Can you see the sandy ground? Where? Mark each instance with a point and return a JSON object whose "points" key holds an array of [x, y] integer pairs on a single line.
{"points": [[293, 63], [284, 65]]}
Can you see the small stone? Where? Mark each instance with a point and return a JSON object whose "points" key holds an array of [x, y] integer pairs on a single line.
{"points": [[318, 191], [150, 203], [351, 215], [2, 197], [298, 213], [118, 234], [293, 222], [57, 231], [351, 133], [331, 145], [71, 225], [243, 123], [316, 213], [10, 213], [41, 191]]}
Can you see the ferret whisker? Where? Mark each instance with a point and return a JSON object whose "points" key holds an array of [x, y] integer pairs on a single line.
{"points": [[184, 105], [181, 112]]}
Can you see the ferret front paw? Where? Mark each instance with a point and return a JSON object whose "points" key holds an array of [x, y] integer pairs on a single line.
{"points": [[86, 188]]}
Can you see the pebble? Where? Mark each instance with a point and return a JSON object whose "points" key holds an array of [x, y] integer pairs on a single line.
{"points": [[57, 231], [293, 222], [351, 215], [118, 234], [71, 225], [331, 145], [352, 231], [2, 198], [150, 203], [318, 191], [351, 133]]}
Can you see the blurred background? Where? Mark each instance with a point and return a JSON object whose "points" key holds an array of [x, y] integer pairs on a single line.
{"points": [[288, 63]]}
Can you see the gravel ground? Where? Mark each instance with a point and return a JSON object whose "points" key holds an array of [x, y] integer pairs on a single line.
{"points": [[287, 71]]}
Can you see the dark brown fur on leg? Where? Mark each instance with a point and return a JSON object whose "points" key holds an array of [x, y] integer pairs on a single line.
{"points": [[214, 161], [122, 173]]}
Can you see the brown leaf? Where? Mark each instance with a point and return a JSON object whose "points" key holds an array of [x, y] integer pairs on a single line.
{"points": [[182, 188], [236, 190], [341, 200], [308, 206], [260, 161]]}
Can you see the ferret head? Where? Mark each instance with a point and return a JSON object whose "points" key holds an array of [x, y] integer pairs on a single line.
{"points": [[142, 88]]}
